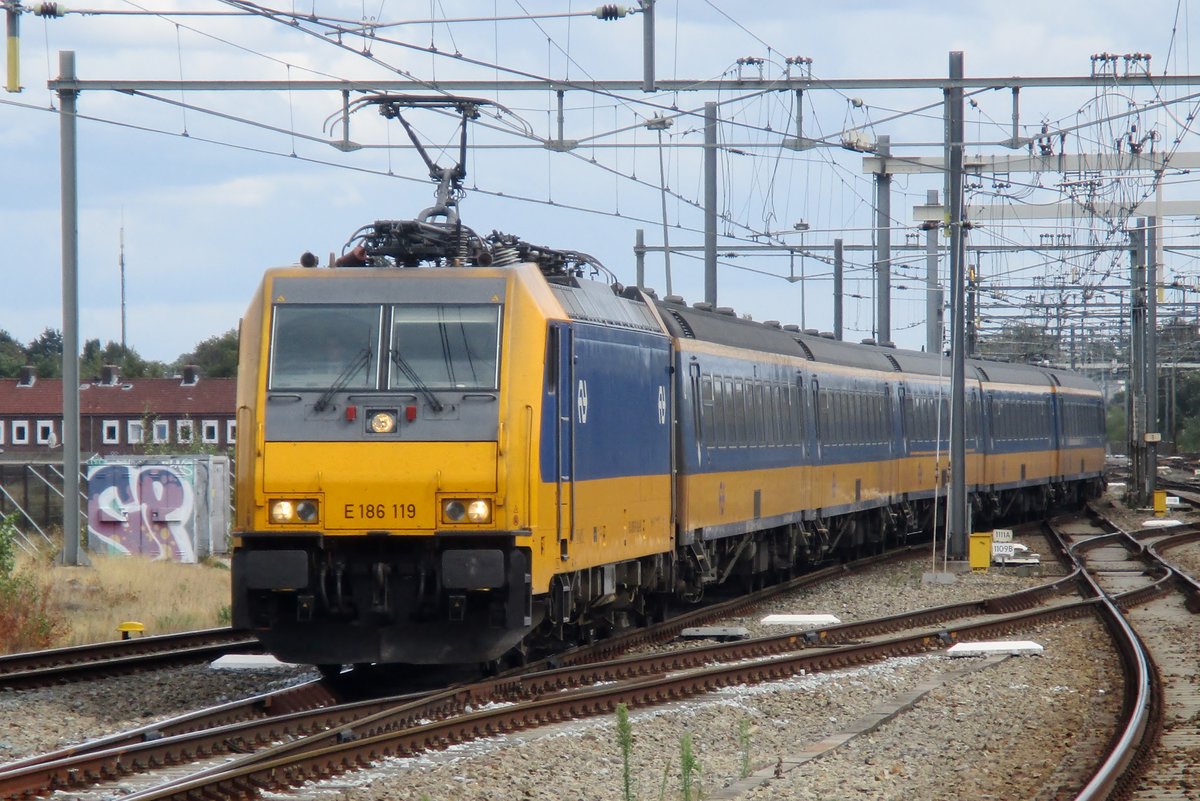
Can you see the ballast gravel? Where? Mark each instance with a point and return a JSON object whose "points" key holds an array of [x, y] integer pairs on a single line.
{"points": [[1002, 732], [38, 720]]}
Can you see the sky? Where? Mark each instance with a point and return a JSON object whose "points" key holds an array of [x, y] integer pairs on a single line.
{"points": [[209, 188]]}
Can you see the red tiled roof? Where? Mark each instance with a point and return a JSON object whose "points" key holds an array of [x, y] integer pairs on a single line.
{"points": [[134, 396]]}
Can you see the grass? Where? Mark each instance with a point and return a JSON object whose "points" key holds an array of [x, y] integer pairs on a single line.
{"points": [[166, 597]]}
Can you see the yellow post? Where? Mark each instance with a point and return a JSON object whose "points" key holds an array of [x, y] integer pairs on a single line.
{"points": [[1160, 503], [129, 628]]}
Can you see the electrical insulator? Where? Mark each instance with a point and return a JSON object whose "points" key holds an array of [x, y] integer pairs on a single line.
{"points": [[610, 11], [49, 10]]}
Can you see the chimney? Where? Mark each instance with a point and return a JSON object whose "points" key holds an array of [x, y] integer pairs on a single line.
{"points": [[110, 375], [28, 376], [191, 375]]}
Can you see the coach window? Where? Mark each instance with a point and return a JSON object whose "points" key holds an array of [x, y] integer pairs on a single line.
{"points": [[751, 418], [860, 426], [707, 411], [839, 418], [774, 419], [845, 432], [718, 418], [737, 414], [971, 423], [787, 423], [763, 438], [318, 346], [793, 401], [824, 416], [827, 421]]}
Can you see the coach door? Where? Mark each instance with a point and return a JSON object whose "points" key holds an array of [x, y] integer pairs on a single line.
{"points": [[562, 351]]}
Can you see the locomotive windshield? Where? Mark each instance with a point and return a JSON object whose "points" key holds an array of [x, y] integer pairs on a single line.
{"points": [[445, 347], [316, 346]]}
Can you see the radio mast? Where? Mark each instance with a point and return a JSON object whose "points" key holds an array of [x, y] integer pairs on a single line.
{"points": [[121, 261]]}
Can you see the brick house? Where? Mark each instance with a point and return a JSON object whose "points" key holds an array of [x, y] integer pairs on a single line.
{"points": [[115, 415]]}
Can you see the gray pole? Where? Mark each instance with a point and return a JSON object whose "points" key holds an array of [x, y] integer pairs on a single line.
{"points": [[70, 303], [883, 241], [839, 266], [1135, 404], [972, 306], [1151, 385], [933, 290], [639, 256], [958, 452], [710, 203], [648, 45]]}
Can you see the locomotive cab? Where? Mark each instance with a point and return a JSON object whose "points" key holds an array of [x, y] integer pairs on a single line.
{"points": [[374, 513]]}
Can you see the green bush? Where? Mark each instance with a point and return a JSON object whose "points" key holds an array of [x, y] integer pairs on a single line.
{"points": [[625, 740], [689, 767], [28, 621]]}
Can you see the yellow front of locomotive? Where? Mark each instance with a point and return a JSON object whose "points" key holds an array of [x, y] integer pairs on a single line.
{"points": [[382, 512]]}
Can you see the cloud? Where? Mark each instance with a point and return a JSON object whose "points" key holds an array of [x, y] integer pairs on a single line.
{"points": [[206, 212]]}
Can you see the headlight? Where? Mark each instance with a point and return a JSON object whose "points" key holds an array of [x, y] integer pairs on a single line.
{"points": [[479, 511], [283, 512], [466, 511], [454, 511], [382, 422], [305, 511]]}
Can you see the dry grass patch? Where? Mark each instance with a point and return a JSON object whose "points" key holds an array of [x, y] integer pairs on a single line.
{"points": [[166, 597]]}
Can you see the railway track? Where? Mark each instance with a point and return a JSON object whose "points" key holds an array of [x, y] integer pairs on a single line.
{"points": [[251, 722], [81, 662], [1153, 755], [332, 737], [351, 735]]}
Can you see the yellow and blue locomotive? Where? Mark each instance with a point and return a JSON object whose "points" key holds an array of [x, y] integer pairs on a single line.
{"points": [[453, 448]]}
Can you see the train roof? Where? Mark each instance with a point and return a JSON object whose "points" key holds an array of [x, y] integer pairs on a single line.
{"points": [[595, 302], [723, 327]]}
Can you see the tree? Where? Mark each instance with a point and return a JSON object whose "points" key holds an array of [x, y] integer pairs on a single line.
{"points": [[1115, 426], [94, 358], [1019, 342], [217, 357], [12, 355], [45, 353]]}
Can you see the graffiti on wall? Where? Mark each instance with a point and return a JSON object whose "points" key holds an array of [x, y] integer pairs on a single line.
{"points": [[146, 510]]}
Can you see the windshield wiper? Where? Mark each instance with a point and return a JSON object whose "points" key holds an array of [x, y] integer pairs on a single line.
{"points": [[360, 361], [416, 381]]}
